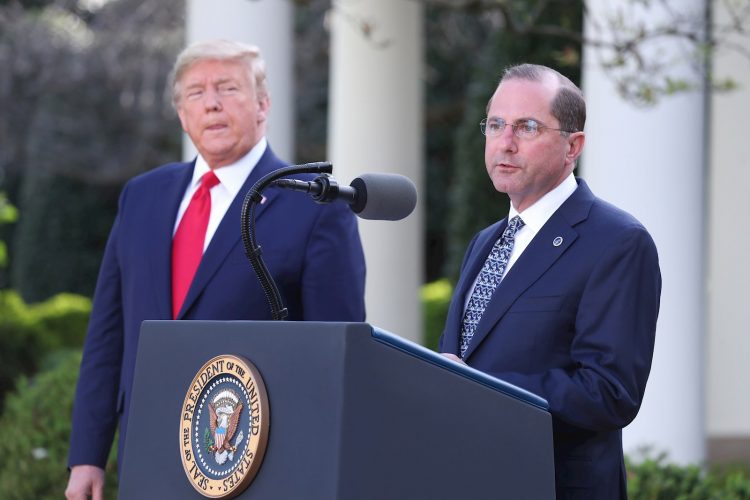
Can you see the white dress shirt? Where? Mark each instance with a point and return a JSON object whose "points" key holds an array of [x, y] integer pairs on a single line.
{"points": [[231, 179], [534, 218]]}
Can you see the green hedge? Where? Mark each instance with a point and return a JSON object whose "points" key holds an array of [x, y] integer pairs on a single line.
{"points": [[653, 478], [62, 320], [8, 214], [34, 434], [436, 297], [19, 343], [32, 336]]}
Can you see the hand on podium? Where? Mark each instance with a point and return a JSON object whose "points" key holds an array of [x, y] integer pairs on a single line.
{"points": [[453, 357], [86, 481]]}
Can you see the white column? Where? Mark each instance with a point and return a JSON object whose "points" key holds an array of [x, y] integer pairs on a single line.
{"points": [[269, 25], [650, 162], [375, 125], [729, 250]]}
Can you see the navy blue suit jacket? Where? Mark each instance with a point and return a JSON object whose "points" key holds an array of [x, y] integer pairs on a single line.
{"points": [[575, 324], [313, 252]]}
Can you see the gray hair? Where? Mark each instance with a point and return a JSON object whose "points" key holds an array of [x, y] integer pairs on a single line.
{"points": [[568, 105], [220, 50]]}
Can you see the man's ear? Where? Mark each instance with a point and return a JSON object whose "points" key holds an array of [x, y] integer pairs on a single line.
{"points": [[576, 141], [264, 106], [181, 115]]}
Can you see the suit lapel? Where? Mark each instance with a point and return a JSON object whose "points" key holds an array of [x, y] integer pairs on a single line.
{"points": [[170, 189], [227, 235], [554, 239]]}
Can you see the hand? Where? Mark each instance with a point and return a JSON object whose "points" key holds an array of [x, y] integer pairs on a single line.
{"points": [[453, 357], [85, 481]]}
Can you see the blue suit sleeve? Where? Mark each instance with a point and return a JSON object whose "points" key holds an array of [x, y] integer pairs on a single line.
{"points": [[95, 408], [333, 278]]}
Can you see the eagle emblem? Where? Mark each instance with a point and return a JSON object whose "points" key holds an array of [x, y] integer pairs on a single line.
{"points": [[224, 410], [224, 423]]}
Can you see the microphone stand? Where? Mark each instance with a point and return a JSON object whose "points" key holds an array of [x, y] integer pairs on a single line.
{"points": [[247, 230]]}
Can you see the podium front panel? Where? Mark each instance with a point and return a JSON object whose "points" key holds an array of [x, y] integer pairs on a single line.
{"points": [[351, 417]]}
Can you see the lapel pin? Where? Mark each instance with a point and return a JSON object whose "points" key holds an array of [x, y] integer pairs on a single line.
{"points": [[557, 241]]}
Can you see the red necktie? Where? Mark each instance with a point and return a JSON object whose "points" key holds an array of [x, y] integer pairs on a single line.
{"points": [[187, 244]]}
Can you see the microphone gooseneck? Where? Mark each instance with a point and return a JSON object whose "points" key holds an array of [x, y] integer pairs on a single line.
{"points": [[247, 231], [370, 196]]}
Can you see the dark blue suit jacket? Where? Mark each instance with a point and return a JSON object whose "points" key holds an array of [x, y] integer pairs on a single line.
{"points": [[313, 252], [575, 324]]}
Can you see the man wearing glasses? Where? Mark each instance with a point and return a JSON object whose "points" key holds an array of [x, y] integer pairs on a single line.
{"points": [[561, 297]]}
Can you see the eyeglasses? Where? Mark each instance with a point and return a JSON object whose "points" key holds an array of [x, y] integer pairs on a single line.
{"points": [[523, 129]]}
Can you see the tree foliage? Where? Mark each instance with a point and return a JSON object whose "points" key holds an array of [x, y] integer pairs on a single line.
{"points": [[86, 110], [8, 214], [642, 45], [311, 66]]}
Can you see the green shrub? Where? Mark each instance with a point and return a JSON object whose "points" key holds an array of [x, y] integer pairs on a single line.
{"points": [[436, 297], [8, 214], [34, 433], [20, 345], [31, 337], [653, 478], [62, 320]]}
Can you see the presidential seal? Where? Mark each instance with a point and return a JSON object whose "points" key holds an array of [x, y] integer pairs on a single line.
{"points": [[224, 427]]}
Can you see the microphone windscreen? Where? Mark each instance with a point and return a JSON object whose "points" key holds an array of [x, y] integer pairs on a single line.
{"points": [[384, 196]]}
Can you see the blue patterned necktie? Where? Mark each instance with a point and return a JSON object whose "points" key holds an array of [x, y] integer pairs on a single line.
{"points": [[489, 277]]}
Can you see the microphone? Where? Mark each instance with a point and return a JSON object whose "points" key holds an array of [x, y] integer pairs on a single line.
{"points": [[370, 196]]}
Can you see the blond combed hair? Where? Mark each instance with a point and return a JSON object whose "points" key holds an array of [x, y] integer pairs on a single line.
{"points": [[220, 50]]}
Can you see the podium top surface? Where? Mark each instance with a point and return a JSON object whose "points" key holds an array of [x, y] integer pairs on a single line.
{"points": [[466, 371]]}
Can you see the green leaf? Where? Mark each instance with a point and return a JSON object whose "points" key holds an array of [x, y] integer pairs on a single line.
{"points": [[8, 213]]}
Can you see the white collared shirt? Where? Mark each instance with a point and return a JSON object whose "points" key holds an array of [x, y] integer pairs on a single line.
{"points": [[231, 179], [534, 218]]}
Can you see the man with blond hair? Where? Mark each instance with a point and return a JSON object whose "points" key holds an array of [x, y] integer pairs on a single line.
{"points": [[175, 250]]}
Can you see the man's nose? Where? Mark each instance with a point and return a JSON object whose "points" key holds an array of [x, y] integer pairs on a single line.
{"points": [[506, 140], [211, 101]]}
